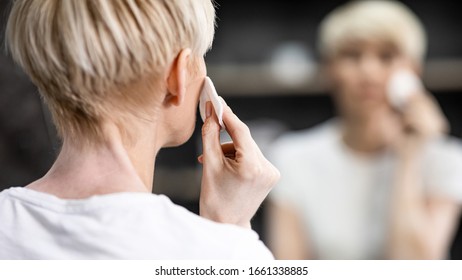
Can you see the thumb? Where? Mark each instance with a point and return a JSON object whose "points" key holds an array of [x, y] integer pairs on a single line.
{"points": [[211, 147]]}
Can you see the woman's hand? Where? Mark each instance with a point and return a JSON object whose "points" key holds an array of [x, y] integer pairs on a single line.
{"points": [[236, 176], [422, 120], [421, 224]]}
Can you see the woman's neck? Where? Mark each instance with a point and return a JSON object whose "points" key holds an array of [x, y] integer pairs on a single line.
{"points": [[107, 168], [371, 134]]}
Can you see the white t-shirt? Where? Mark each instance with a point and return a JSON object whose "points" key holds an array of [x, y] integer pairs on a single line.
{"points": [[343, 198], [35, 225]]}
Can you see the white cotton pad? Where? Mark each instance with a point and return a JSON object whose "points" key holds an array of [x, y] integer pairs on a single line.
{"points": [[401, 86], [209, 93]]}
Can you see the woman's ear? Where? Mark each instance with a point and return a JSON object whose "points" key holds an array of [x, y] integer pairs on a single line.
{"points": [[177, 78]]}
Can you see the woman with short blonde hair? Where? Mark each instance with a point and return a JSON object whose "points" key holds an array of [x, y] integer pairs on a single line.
{"points": [[122, 79], [382, 180]]}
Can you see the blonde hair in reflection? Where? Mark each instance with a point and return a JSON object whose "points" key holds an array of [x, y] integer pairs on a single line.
{"points": [[88, 58], [382, 20]]}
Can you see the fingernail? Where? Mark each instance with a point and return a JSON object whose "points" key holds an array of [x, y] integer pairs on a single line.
{"points": [[208, 109]]}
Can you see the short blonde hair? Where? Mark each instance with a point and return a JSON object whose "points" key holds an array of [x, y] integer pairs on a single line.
{"points": [[86, 54], [364, 20]]}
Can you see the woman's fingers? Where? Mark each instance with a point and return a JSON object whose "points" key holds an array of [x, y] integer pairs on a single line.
{"points": [[424, 117], [212, 151], [228, 151], [237, 130]]}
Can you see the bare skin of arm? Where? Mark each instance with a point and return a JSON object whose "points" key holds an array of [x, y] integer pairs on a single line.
{"points": [[286, 237], [421, 226]]}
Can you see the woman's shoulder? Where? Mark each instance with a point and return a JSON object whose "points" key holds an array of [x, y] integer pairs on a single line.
{"points": [[229, 240], [150, 224], [315, 140], [447, 148], [442, 167]]}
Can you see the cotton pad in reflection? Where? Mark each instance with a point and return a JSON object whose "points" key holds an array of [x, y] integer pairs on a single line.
{"points": [[402, 85], [209, 93]]}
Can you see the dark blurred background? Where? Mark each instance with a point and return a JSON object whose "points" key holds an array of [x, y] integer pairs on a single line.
{"points": [[264, 63]]}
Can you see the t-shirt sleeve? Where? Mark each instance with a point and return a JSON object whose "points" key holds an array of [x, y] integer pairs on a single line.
{"points": [[249, 247], [443, 168]]}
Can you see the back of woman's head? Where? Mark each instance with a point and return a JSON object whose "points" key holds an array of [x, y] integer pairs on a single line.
{"points": [[86, 56]]}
